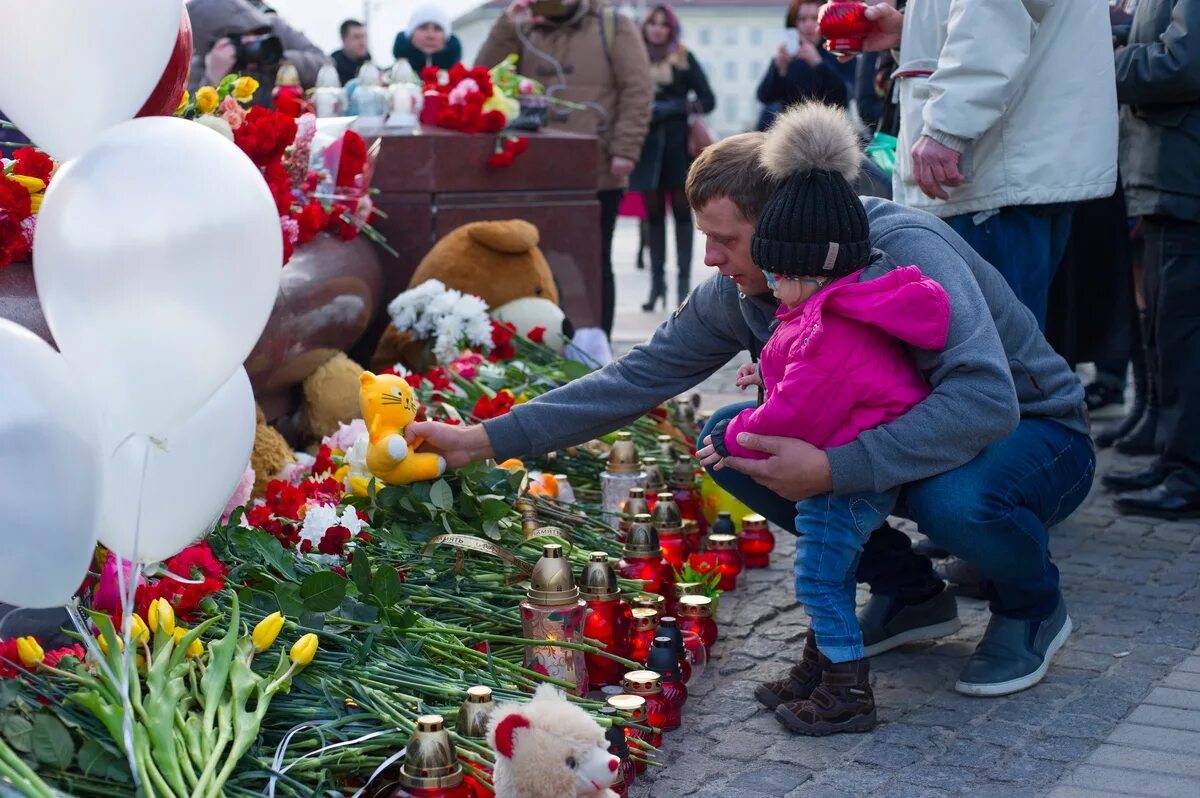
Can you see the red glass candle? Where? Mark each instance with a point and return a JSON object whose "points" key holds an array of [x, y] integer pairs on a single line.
{"points": [[668, 627], [430, 107], [683, 489], [683, 589], [756, 542], [634, 506], [633, 707], [655, 483], [648, 685], [668, 522], [431, 768], [692, 539], [695, 615], [729, 559], [609, 620], [618, 746], [844, 26], [645, 624], [664, 661], [643, 558]]}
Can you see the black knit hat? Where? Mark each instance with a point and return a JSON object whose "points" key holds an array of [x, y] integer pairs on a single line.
{"points": [[814, 224]]}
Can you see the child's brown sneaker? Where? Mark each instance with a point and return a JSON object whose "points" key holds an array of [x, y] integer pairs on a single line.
{"points": [[799, 682], [843, 702]]}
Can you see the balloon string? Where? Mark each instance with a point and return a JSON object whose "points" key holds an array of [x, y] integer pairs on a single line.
{"points": [[277, 760]]}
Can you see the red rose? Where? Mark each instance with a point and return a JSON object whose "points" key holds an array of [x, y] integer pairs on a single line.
{"points": [[502, 347], [537, 335], [32, 163]]}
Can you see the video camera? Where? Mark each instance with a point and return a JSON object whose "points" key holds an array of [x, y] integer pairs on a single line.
{"points": [[264, 50]]}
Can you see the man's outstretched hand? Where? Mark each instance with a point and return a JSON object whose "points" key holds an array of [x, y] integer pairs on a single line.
{"points": [[795, 469], [886, 23], [458, 445]]}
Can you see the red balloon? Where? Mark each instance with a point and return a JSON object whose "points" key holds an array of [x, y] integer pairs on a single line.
{"points": [[166, 95]]}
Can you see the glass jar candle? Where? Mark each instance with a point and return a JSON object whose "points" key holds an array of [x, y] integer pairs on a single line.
{"points": [[844, 25], [648, 685], [632, 507], [687, 496], [551, 612], [655, 481], [618, 746], [756, 542], [683, 589], [622, 473], [633, 709], [645, 624], [695, 615], [609, 620], [665, 662], [729, 559], [693, 541], [668, 627], [643, 558], [431, 768], [724, 524], [668, 522]]}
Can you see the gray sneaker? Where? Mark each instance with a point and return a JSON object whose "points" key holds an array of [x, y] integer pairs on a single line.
{"points": [[888, 624], [1012, 656]]}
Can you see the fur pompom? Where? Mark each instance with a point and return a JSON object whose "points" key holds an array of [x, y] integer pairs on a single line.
{"points": [[810, 136]]}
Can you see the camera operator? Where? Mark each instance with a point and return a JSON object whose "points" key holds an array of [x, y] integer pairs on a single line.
{"points": [[248, 38]]}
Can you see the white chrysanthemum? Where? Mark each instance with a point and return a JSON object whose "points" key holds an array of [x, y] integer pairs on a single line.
{"points": [[448, 318], [356, 458], [317, 521], [352, 522], [409, 306], [479, 330]]}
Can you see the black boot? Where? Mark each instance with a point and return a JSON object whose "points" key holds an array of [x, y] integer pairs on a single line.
{"points": [[1140, 388], [1138, 479], [1139, 438], [842, 702], [798, 683], [658, 294]]}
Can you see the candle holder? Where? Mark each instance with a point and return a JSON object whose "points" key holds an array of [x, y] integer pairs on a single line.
{"points": [[668, 522], [683, 488], [622, 473], [729, 559], [645, 625], [618, 746], [696, 654], [682, 589], [756, 542], [844, 25], [553, 611], [648, 685], [692, 539], [666, 448], [665, 661], [655, 482], [695, 615], [473, 714], [668, 627], [651, 601], [633, 708], [609, 620], [643, 558], [632, 507], [724, 524], [431, 768]]}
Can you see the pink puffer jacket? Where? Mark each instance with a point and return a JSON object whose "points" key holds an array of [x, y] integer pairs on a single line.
{"points": [[837, 366]]}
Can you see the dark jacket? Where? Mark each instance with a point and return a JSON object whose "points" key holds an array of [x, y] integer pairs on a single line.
{"points": [[828, 83], [450, 55], [1158, 81], [347, 67], [213, 20], [665, 160]]}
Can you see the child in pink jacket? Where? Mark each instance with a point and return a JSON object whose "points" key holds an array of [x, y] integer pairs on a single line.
{"points": [[835, 366]]}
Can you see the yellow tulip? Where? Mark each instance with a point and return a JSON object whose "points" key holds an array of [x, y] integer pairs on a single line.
{"points": [[35, 203], [161, 614], [104, 644], [304, 649], [194, 649], [244, 88], [266, 631], [183, 102], [30, 651], [139, 632], [207, 99], [31, 184]]}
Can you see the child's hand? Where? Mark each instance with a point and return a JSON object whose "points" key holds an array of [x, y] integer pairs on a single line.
{"points": [[708, 455], [748, 375]]}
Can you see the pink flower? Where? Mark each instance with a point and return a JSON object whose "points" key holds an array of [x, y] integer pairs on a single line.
{"points": [[107, 597], [306, 129], [241, 494], [458, 95], [28, 227], [232, 112], [291, 229], [346, 435]]}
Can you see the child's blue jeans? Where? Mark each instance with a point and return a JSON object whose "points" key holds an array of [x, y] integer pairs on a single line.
{"points": [[832, 531]]}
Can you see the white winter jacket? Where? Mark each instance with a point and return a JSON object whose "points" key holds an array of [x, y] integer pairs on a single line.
{"points": [[1024, 89]]}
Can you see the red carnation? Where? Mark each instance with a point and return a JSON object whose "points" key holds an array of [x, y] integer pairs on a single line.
{"points": [[429, 75], [350, 155], [500, 160], [55, 657], [280, 185], [517, 145], [32, 163], [265, 135], [414, 379], [537, 335], [10, 660], [487, 408], [312, 219], [502, 346], [334, 541], [493, 122], [457, 73], [324, 464]]}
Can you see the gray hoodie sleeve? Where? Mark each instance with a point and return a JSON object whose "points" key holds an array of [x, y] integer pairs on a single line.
{"points": [[973, 402], [685, 350]]}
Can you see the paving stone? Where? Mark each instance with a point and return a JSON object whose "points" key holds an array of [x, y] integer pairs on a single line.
{"points": [[818, 791], [997, 732], [856, 780], [1121, 756], [1060, 749], [1079, 726], [1131, 782], [772, 779], [1166, 717], [884, 755], [1028, 771], [1133, 734], [1106, 707], [970, 753]]}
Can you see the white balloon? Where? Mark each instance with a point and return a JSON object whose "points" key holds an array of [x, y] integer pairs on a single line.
{"points": [[49, 473], [157, 259], [71, 69], [189, 477]]}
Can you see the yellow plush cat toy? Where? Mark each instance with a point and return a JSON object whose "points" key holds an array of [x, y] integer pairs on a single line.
{"points": [[388, 406]]}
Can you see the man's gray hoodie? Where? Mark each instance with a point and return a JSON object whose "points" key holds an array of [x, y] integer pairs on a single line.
{"points": [[996, 368]]}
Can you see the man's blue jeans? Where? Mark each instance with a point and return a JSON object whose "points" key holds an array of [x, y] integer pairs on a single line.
{"points": [[833, 530], [993, 511], [1025, 243]]}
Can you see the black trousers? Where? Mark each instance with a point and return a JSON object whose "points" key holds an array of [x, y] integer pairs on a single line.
{"points": [[656, 222], [1172, 275], [610, 204]]}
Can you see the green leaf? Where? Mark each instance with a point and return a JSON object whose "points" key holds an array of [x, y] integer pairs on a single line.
{"points": [[287, 599], [323, 591], [386, 586], [271, 551], [360, 570], [8, 692], [494, 508], [441, 495], [492, 529], [52, 743], [18, 731], [98, 762], [574, 370], [312, 620]]}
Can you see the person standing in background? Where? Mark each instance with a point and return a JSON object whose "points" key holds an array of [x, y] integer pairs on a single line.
{"points": [[353, 54], [681, 89], [428, 40], [585, 52], [250, 39], [802, 69]]}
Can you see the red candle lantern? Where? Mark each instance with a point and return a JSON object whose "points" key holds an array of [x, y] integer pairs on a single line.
{"points": [[648, 685], [683, 488], [430, 107], [431, 768], [693, 541], [695, 615], [643, 558], [756, 542], [645, 624], [633, 708], [668, 522], [609, 620], [618, 746], [634, 506], [664, 661], [729, 559], [683, 589], [655, 482], [651, 601], [844, 26]]}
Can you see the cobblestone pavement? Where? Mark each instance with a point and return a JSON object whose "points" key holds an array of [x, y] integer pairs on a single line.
{"points": [[1133, 590]]}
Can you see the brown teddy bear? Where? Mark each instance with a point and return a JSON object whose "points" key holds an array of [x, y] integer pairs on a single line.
{"points": [[500, 262], [270, 456], [330, 397]]}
